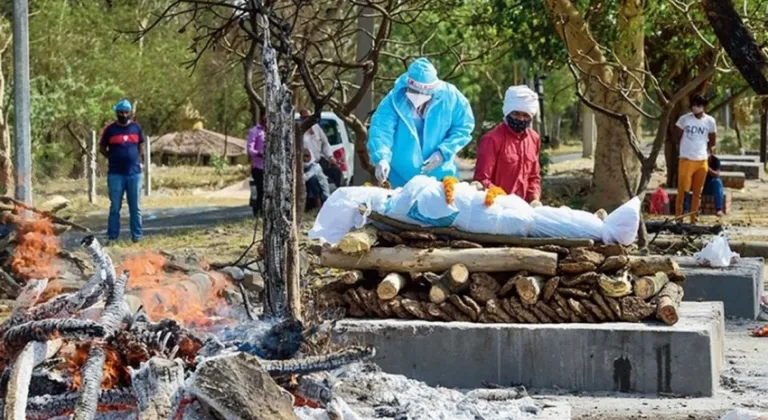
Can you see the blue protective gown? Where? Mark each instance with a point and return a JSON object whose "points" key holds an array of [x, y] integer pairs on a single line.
{"points": [[394, 135]]}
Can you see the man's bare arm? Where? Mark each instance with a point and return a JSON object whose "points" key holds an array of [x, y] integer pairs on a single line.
{"points": [[712, 140], [104, 150], [678, 134]]}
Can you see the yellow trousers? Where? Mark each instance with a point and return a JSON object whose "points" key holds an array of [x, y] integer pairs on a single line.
{"points": [[691, 175]]}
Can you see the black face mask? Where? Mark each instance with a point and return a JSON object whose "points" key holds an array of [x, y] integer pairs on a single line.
{"points": [[122, 119], [517, 125]]}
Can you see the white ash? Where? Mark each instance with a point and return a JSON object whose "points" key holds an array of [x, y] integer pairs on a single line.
{"points": [[373, 394]]}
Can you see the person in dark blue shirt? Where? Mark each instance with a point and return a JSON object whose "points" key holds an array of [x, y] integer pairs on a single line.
{"points": [[713, 185], [121, 143]]}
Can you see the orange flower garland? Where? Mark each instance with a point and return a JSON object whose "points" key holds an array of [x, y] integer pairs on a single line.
{"points": [[449, 183], [491, 195]]}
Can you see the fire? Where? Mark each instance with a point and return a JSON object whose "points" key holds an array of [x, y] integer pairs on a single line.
{"points": [[116, 372], [37, 246], [188, 299]]}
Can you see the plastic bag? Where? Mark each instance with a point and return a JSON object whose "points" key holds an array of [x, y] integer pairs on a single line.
{"points": [[716, 254], [744, 414], [622, 224], [341, 213]]}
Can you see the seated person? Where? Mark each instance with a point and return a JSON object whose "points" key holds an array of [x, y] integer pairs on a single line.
{"points": [[317, 142], [713, 185], [315, 181]]}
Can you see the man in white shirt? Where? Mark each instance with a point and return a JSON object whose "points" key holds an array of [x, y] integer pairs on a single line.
{"points": [[317, 142], [696, 133]]}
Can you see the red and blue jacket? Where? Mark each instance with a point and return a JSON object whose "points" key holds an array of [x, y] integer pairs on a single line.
{"points": [[122, 142]]}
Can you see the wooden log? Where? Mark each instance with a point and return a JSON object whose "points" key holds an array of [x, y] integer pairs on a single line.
{"points": [[460, 243], [635, 309], [551, 313], [614, 305], [371, 302], [358, 240], [454, 313], [676, 276], [405, 259], [614, 264], [464, 308], [589, 278], [652, 264], [416, 309], [456, 278], [594, 309], [483, 288], [508, 287], [576, 267], [418, 235], [397, 308], [541, 315], [351, 277], [390, 286], [617, 286], [562, 314], [522, 312], [481, 238], [434, 310], [385, 308], [494, 308], [439, 293], [584, 254], [603, 305], [669, 303], [428, 244], [549, 288], [610, 250], [529, 288], [575, 293], [649, 286], [581, 311], [390, 238], [559, 250], [472, 304]]}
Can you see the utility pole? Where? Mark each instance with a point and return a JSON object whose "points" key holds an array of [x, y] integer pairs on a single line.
{"points": [[22, 130]]}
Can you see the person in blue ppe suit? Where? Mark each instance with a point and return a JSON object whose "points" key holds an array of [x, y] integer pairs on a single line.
{"points": [[419, 127]]}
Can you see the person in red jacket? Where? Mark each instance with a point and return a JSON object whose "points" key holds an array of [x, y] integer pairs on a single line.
{"points": [[508, 155]]}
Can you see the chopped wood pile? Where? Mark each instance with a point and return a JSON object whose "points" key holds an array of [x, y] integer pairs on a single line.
{"points": [[419, 274], [86, 355]]}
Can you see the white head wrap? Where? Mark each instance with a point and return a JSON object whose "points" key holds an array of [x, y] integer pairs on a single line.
{"points": [[521, 98]]}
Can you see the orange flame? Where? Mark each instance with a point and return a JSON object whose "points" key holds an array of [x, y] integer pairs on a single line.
{"points": [[187, 299], [36, 248], [115, 370]]}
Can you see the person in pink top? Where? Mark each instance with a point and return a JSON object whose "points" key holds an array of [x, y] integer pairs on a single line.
{"points": [[255, 139], [508, 155]]}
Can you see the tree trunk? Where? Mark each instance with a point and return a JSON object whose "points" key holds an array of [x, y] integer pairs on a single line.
{"points": [[6, 164], [404, 259], [280, 231], [737, 40]]}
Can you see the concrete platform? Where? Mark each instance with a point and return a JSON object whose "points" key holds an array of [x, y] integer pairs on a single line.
{"points": [[739, 158], [752, 170], [739, 286], [685, 359]]}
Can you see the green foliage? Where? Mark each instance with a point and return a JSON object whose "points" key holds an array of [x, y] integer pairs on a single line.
{"points": [[219, 164], [545, 159]]}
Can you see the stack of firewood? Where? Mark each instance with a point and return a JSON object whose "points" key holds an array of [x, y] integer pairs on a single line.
{"points": [[437, 274]]}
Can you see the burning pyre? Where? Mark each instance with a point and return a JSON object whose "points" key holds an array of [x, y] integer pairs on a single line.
{"points": [[86, 354]]}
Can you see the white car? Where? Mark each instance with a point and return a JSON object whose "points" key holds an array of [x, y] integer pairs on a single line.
{"points": [[342, 146]]}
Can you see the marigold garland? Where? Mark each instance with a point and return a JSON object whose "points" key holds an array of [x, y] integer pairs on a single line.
{"points": [[491, 194], [449, 184]]}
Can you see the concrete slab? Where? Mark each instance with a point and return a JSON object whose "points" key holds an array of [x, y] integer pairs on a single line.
{"points": [[752, 170], [739, 286], [684, 359], [739, 158]]}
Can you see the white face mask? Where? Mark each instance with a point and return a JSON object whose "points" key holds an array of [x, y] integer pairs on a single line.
{"points": [[697, 109], [417, 99]]}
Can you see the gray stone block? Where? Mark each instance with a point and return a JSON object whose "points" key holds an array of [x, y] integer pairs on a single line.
{"points": [[738, 158], [684, 359], [739, 286], [752, 170]]}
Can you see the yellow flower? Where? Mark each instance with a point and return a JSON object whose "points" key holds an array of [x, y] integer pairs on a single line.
{"points": [[449, 184], [491, 194]]}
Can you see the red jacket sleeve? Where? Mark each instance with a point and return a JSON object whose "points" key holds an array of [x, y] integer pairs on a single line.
{"points": [[534, 178], [486, 160]]}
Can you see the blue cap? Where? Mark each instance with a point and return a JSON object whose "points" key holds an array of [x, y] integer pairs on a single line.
{"points": [[422, 76], [123, 106]]}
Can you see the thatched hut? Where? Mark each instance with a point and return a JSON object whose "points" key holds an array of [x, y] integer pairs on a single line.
{"points": [[195, 144]]}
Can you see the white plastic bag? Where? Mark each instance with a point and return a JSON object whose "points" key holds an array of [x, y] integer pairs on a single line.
{"points": [[716, 254], [622, 224]]}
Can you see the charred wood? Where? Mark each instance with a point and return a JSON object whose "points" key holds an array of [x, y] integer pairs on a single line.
{"points": [[317, 363]]}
